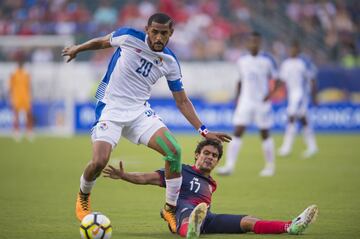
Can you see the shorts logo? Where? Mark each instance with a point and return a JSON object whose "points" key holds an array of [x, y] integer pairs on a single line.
{"points": [[103, 126]]}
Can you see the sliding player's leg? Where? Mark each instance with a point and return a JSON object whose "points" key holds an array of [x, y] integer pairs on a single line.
{"points": [[196, 220], [190, 219], [226, 223]]}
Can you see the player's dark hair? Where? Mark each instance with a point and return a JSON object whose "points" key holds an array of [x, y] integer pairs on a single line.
{"points": [[215, 143], [161, 18]]}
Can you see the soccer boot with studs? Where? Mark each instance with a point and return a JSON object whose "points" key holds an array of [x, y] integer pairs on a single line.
{"points": [[168, 214], [301, 222], [82, 205], [196, 219]]}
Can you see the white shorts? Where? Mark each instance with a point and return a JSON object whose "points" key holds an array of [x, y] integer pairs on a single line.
{"points": [[298, 107], [138, 131], [259, 114]]}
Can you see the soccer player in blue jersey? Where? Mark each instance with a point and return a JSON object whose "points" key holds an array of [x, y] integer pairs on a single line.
{"points": [[139, 61], [192, 213]]}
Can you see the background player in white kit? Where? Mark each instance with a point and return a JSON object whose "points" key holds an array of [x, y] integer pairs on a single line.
{"points": [[122, 110], [298, 73], [253, 104]]}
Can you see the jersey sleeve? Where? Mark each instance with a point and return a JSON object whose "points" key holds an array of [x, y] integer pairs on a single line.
{"points": [[161, 172], [174, 76], [119, 36], [175, 85]]}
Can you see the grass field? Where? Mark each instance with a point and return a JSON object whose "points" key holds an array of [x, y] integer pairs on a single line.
{"points": [[39, 182]]}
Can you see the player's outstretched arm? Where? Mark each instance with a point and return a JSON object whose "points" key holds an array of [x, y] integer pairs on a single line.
{"points": [[93, 44], [152, 178], [187, 109]]}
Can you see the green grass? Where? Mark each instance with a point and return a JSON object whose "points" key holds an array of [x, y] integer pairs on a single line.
{"points": [[39, 182]]}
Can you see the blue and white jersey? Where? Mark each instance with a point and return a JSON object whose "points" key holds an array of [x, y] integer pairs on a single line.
{"points": [[255, 73], [297, 73], [133, 69], [195, 188]]}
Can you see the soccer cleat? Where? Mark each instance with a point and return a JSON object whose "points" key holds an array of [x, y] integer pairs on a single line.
{"points": [[82, 205], [197, 217], [225, 170], [168, 214], [301, 222], [268, 171]]}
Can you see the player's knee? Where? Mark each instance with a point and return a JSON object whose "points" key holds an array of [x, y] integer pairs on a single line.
{"points": [[172, 151], [99, 165], [247, 223], [100, 161]]}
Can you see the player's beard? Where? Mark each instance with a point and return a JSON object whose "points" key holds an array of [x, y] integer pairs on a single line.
{"points": [[158, 44]]}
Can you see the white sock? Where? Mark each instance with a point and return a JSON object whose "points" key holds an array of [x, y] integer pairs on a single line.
{"points": [[173, 190], [268, 148], [86, 186], [289, 137], [232, 152], [309, 138]]}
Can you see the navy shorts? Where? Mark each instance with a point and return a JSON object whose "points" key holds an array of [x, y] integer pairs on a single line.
{"points": [[213, 223]]}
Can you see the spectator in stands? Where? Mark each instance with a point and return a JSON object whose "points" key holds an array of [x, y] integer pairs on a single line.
{"points": [[205, 29]]}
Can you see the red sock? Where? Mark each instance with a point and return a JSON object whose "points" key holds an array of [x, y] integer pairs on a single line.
{"points": [[183, 229], [271, 227]]}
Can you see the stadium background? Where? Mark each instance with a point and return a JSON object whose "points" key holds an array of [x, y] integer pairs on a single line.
{"points": [[209, 37], [39, 180]]}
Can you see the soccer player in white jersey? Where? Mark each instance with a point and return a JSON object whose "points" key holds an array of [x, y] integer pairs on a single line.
{"points": [[298, 73], [140, 59], [256, 68]]}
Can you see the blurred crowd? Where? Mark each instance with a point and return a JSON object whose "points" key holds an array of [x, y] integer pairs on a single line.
{"points": [[205, 30]]}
